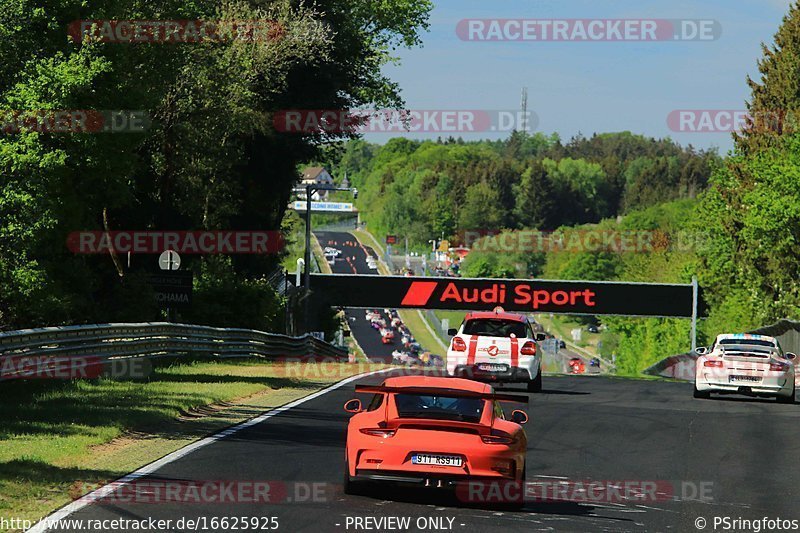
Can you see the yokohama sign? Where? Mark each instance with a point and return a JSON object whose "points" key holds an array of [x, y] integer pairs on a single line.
{"points": [[530, 296]]}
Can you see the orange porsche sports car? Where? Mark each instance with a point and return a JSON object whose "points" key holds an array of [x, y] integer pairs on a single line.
{"points": [[434, 432]]}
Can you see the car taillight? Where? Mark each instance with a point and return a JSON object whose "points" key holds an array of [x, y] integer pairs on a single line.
{"points": [[497, 438], [378, 432], [529, 348], [778, 367], [713, 364], [459, 345]]}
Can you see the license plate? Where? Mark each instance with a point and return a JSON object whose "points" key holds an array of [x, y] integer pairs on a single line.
{"points": [[438, 460], [492, 367], [749, 379]]}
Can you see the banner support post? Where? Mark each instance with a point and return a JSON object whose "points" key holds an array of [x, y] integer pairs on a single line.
{"points": [[694, 313]]}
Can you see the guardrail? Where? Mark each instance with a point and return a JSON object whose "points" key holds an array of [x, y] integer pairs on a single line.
{"points": [[108, 342]]}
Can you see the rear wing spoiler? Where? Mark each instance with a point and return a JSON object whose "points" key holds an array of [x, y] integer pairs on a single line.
{"points": [[450, 393], [761, 351]]}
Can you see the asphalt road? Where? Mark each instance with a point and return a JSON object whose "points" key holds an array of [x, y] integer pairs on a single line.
{"points": [[581, 428], [354, 261]]}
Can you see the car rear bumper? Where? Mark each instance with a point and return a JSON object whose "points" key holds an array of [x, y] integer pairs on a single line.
{"points": [[423, 479], [768, 386], [513, 375]]}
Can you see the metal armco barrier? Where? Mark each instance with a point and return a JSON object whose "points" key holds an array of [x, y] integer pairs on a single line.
{"points": [[109, 342]]}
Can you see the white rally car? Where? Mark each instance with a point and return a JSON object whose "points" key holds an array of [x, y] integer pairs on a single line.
{"points": [[496, 347], [745, 364]]}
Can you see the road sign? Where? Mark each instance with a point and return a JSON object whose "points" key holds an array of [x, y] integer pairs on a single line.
{"points": [[323, 207], [173, 288], [391, 239], [169, 260]]}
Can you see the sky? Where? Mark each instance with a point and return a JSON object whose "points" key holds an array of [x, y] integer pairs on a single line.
{"points": [[590, 87]]}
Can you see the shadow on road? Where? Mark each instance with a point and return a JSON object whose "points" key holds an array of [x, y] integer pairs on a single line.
{"points": [[449, 498]]}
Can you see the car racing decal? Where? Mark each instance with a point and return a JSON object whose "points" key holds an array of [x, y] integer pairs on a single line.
{"points": [[473, 347], [514, 352]]}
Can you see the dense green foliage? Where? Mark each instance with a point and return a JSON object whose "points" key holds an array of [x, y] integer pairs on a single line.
{"points": [[211, 158], [426, 189]]}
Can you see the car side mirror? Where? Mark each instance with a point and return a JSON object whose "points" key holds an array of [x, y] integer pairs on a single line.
{"points": [[791, 356], [353, 406], [452, 332], [541, 337], [519, 417], [701, 350]]}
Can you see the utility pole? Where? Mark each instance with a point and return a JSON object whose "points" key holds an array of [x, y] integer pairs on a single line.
{"points": [[524, 124]]}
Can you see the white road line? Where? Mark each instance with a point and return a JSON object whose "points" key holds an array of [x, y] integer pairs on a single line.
{"points": [[146, 470]]}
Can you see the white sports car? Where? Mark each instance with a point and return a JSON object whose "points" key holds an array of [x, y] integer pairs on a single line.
{"points": [[496, 347], [745, 364]]}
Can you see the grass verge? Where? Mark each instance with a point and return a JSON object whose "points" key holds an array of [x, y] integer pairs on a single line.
{"points": [[416, 325], [411, 318], [58, 437]]}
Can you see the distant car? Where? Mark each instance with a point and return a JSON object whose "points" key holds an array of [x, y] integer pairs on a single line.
{"points": [[433, 432], [577, 366], [387, 337], [497, 347], [591, 328], [595, 362], [745, 364], [562, 345]]}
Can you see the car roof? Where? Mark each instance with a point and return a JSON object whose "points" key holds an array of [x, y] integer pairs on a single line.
{"points": [[492, 314], [438, 383]]}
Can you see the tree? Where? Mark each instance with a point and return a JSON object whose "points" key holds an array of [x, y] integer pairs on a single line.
{"points": [[774, 106], [536, 201], [482, 209], [211, 157]]}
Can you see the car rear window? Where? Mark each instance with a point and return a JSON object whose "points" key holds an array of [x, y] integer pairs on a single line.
{"points": [[439, 407], [748, 342], [494, 327]]}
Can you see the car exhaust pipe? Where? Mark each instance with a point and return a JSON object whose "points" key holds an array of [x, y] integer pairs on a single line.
{"points": [[427, 482], [440, 484]]}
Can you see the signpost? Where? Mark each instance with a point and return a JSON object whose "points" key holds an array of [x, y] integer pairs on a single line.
{"points": [[173, 287], [391, 239], [169, 260]]}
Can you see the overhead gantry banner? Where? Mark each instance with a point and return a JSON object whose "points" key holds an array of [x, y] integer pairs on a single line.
{"points": [[529, 296]]}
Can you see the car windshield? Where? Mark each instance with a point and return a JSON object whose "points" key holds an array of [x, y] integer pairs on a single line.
{"points": [[494, 327], [438, 407]]}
